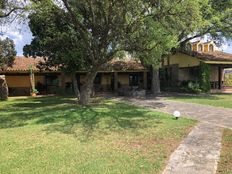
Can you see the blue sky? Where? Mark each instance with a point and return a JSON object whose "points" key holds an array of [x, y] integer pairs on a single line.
{"points": [[19, 32], [229, 47], [21, 35]]}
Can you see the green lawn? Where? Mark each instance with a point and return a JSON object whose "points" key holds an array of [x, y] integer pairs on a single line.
{"points": [[225, 164], [218, 100], [53, 135]]}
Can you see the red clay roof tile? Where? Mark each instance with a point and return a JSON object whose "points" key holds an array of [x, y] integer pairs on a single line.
{"points": [[213, 56], [22, 64]]}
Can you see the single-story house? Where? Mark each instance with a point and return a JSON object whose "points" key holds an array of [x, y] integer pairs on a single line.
{"points": [[114, 76], [184, 65], [123, 74]]}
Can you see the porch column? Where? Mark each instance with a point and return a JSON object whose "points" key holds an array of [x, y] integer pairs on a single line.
{"points": [[169, 72], [145, 80], [115, 81], [62, 80], [219, 77]]}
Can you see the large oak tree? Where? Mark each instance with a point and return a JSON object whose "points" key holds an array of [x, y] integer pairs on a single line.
{"points": [[84, 35]]}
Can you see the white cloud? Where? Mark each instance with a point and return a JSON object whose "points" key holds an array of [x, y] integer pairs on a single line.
{"points": [[224, 46], [228, 49], [3, 37], [19, 33]]}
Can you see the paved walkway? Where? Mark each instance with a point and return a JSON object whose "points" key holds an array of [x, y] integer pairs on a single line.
{"points": [[221, 117], [200, 151]]}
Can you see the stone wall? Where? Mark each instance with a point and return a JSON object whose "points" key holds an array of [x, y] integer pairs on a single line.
{"points": [[3, 88]]}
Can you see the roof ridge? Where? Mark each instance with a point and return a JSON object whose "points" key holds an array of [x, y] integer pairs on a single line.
{"points": [[212, 56]]}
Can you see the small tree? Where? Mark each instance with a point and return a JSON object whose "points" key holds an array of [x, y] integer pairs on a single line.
{"points": [[32, 81], [7, 53], [159, 43], [7, 56]]}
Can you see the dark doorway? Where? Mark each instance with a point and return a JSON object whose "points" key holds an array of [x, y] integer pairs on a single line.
{"points": [[52, 83], [134, 79]]}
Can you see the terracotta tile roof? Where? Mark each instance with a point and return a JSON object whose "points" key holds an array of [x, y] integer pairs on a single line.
{"points": [[119, 65], [22, 64], [213, 56]]}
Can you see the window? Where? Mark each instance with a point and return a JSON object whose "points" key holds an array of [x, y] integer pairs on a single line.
{"points": [[211, 48], [189, 47], [97, 80], [200, 47], [52, 80], [134, 80]]}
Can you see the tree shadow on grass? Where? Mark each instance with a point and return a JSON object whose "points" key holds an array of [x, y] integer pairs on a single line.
{"points": [[149, 102], [21, 111], [62, 115], [86, 122], [43, 102], [198, 97], [83, 119]]}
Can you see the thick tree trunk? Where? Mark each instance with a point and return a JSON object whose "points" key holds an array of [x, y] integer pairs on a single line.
{"points": [[3, 88], [155, 84], [75, 86], [87, 88]]}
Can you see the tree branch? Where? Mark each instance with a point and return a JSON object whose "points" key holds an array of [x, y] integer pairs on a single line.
{"points": [[10, 12], [182, 40]]}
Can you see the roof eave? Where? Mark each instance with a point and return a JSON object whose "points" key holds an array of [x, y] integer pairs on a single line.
{"points": [[218, 62]]}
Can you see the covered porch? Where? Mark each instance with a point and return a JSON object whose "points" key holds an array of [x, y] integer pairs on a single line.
{"points": [[217, 77], [118, 82], [218, 61]]}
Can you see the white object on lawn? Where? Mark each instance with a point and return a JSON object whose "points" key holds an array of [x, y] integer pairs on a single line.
{"points": [[176, 114]]}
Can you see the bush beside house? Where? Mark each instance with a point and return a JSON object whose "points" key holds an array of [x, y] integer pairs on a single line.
{"points": [[228, 79]]}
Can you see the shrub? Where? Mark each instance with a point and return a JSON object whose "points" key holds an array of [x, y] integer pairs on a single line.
{"points": [[228, 79], [192, 87], [204, 77]]}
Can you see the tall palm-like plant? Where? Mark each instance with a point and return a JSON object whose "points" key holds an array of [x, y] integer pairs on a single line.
{"points": [[32, 81]]}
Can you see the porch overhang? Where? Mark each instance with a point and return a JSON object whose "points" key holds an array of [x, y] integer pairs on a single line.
{"points": [[221, 66], [219, 62]]}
